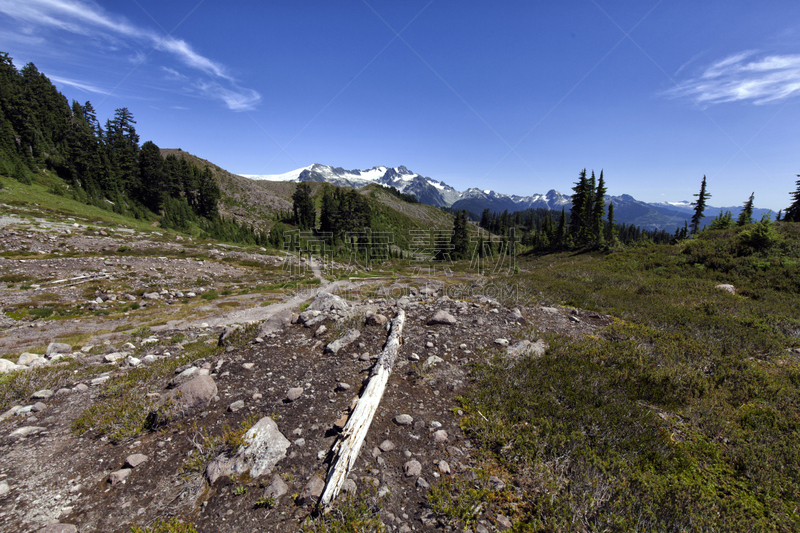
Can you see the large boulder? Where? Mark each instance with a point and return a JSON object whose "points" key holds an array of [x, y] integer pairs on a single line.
{"points": [[442, 317], [7, 366], [189, 398], [326, 301], [338, 344], [275, 323], [266, 445], [57, 347]]}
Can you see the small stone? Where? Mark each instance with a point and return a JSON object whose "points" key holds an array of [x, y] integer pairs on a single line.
{"points": [[422, 484], [342, 386], [58, 528], [4, 488], [574, 319], [413, 357], [501, 342], [387, 446], [497, 483], [43, 394], [294, 393], [38, 407], [134, 460], [412, 468], [444, 467], [726, 287], [374, 319], [81, 387], [63, 391], [364, 356], [300, 442], [504, 522], [429, 344], [442, 317], [312, 491], [119, 476], [403, 420], [99, 381], [440, 436], [349, 486], [128, 346], [24, 431], [276, 488], [321, 331], [462, 346], [133, 361], [236, 406], [114, 357], [248, 366]]}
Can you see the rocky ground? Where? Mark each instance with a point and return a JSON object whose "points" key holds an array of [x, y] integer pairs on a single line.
{"points": [[287, 370]]}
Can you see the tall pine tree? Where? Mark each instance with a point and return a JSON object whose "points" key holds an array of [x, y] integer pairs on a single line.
{"points": [[746, 216], [699, 206]]}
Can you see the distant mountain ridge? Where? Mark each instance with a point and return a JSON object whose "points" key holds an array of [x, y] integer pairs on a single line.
{"points": [[651, 216]]}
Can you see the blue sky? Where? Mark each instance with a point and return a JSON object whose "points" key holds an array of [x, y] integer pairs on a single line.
{"points": [[517, 96]]}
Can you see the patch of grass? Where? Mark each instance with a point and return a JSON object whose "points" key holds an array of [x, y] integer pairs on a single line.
{"points": [[460, 501], [350, 513], [164, 525], [209, 295], [123, 407], [207, 446], [41, 312], [683, 415]]}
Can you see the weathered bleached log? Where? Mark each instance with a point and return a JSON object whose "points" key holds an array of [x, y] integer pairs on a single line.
{"points": [[355, 431]]}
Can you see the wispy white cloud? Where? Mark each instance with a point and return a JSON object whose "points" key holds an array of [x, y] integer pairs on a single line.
{"points": [[78, 84], [173, 74], [745, 76], [89, 19], [238, 99]]}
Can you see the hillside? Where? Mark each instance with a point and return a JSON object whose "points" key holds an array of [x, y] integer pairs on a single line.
{"points": [[242, 198]]}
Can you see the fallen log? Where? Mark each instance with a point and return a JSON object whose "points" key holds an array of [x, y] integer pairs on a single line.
{"points": [[355, 431]]}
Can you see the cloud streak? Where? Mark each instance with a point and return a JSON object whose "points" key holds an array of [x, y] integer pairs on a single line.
{"points": [[88, 19], [744, 77], [78, 84]]}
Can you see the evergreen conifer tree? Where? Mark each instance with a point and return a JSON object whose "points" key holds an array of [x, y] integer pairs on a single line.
{"points": [[305, 216], [792, 213], [598, 211], [746, 216], [611, 230], [699, 206], [460, 239]]}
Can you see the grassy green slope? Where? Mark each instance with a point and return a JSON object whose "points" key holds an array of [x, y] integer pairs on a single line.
{"points": [[682, 416]]}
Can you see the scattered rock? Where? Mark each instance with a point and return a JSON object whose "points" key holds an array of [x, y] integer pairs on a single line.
{"points": [[501, 342], [326, 301], [276, 488], [347, 339], [440, 436], [38, 407], [503, 522], [387, 446], [312, 491], [43, 394], [375, 319], [442, 317], [192, 396], [4, 488], [403, 420], [7, 366], [57, 347], [412, 468], [342, 386], [59, 528], [236, 406], [422, 484], [119, 476], [294, 393], [726, 287], [266, 445], [444, 467], [134, 460]]}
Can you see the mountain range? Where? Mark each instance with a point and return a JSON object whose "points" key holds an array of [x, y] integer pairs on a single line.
{"points": [[653, 216]]}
